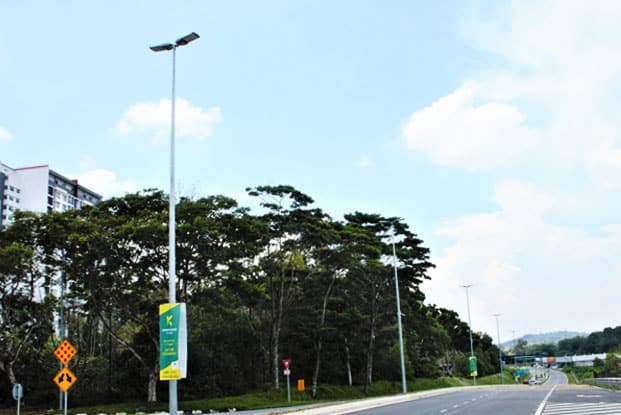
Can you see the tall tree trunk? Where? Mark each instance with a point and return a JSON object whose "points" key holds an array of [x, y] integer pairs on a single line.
{"points": [[275, 365], [348, 362], [369, 367], [11, 374], [319, 341], [152, 388], [277, 315], [317, 365], [153, 371], [8, 369]]}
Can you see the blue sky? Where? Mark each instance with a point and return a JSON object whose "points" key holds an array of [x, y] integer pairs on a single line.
{"points": [[491, 127]]}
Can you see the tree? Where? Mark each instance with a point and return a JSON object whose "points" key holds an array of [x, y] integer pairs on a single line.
{"points": [[286, 280], [25, 320], [120, 249], [520, 348], [370, 237], [325, 258], [281, 263]]}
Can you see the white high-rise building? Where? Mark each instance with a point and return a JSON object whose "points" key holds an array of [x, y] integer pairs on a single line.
{"points": [[40, 189]]}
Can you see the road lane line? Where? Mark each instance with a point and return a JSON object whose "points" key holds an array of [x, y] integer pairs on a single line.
{"points": [[545, 400]]}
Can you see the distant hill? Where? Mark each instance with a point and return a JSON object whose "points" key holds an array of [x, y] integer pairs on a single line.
{"points": [[553, 337]]}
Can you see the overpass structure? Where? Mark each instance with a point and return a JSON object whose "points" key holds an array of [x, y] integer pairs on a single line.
{"points": [[576, 360], [560, 361]]}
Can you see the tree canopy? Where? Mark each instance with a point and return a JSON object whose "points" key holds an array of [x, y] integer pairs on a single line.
{"points": [[286, 281]]}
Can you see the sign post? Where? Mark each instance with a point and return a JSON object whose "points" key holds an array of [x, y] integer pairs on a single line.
{"points": [[286, 363], [18, 392], [65, 379]]}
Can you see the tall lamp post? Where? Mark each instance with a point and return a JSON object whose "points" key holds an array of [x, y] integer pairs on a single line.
{"points": [[172, 275], [394, 257], [474, 378], [502, 378]]}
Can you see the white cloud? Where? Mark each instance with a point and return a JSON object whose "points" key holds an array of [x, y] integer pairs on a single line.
{"points": [[548, 101], [5, 135], [604, 164], [555, 77], [154, 118], [455, 131], [364, 163], [515, 256], [547, 34], [106, 182]]}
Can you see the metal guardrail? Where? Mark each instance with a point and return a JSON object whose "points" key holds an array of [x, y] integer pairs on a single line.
{"points": [[604, 381]]}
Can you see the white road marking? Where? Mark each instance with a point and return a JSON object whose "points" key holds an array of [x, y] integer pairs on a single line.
{"points": [[545, 400], [582, 409]]}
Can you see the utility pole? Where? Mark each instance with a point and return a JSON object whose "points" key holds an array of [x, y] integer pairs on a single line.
{"points": [[474, 378], [403, 380], [502, 378]]}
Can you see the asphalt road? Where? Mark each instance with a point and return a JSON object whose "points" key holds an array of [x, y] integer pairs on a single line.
{"points": [[513, 400], [557, 378], [539, 400], [554, 398]]}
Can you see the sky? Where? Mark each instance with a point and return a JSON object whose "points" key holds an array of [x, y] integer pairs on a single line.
{"points": [[491, 127]]}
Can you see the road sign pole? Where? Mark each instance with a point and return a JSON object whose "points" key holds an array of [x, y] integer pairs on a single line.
{"points": [[288, 388], [61, 400], [17, 392], [66, 396]]}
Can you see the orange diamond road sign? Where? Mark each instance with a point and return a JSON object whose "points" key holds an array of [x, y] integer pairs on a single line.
{"points": [[65, 379], [65, 352]]}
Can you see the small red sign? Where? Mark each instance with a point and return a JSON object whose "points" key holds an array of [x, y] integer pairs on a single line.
{"points": [[286, 363]]}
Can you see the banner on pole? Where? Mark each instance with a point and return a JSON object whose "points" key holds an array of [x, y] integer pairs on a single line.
{"points": [[473, 366], [173, 341]]}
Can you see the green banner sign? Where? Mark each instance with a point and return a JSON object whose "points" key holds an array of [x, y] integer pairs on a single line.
{"points": [[473, 366], [173, 341]]}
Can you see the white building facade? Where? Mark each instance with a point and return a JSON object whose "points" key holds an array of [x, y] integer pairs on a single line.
{"points": [[40, 189]]}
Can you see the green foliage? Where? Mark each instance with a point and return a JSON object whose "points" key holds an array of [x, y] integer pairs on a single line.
{"points": [[286, 282], [576, 374], [605, 341]]}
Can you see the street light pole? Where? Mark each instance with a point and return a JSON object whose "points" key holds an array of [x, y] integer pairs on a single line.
{"points": [[474, 378], [394, 257], [172, 274], [502, 378]]}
